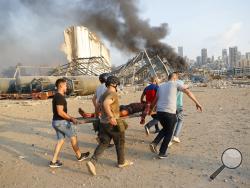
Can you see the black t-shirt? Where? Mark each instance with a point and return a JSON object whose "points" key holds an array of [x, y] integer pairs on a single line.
{"points": [[58, 99]]}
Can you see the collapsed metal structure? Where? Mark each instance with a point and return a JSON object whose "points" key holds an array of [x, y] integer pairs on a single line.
{"points": [[83, 66], [140, 68]]}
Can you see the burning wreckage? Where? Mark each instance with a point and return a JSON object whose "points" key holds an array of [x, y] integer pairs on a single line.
{"points": [[145, 64]]}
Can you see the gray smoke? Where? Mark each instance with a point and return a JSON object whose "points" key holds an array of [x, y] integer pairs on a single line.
{"points": [[31, 32], [38, 37]]}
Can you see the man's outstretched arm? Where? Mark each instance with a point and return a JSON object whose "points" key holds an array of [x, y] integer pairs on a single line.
{"points": [[193, 98]]}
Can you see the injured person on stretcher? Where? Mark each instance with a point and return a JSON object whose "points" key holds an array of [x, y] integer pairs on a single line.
{"points": [[125, 110]]}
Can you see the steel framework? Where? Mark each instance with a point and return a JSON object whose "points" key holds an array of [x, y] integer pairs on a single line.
{"points": [[141, 67], [93, 66]]}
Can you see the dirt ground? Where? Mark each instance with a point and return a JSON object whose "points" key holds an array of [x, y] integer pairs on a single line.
{"points": [[27, 141]]}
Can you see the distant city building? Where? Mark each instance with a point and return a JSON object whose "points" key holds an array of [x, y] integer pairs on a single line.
{"points": [[209, 60], [243, 63], [220, 63], [242, 57], [180, 51], [203, 56], [191, 61], [224, 53], [225, 57], [233, 57], [198, 60], [239, 56], [248, 55], [212, 59]]}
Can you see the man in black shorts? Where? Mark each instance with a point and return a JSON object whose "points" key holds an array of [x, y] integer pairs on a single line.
{"points": [[61, 124]]}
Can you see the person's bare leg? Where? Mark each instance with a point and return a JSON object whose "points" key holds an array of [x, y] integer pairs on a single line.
{"points": [[75, 146], [85, 114], [57, 150]]}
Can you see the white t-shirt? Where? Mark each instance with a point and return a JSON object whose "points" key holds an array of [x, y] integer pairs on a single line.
{"points": [[99, 91], [167, 94]]}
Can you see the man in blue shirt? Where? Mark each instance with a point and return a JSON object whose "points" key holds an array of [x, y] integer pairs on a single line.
{"points": [[179, 114]]}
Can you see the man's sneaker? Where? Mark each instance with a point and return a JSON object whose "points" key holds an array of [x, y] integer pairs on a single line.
{"points": [[91, 168], [170, 144], [176, 139], [152, 147], [57, 164], [83, 156], [126, 163], [162, 156], [146, 130]]}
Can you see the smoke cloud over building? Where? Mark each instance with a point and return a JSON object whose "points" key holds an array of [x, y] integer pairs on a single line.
{"points": [[31, 30]]}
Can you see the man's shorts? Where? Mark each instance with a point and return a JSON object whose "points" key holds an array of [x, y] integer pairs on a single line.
{"points": [[63, 128]]}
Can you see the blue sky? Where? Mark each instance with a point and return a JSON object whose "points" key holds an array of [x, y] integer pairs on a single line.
{"points": [[196, 24]]}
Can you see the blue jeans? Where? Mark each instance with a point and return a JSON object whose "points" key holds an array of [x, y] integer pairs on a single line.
{"points": [[153, 122], [179, 122], [63, 128]]}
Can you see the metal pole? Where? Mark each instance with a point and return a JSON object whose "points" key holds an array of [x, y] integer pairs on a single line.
{"points": [[17, 70], [124, 68], [163, 65], [150, 62], [133, 76]]}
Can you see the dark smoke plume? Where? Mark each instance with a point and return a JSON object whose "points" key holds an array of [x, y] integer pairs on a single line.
{"points": [[116, 20]]}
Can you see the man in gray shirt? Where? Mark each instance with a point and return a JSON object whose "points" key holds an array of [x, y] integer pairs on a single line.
{"points": [[165, 102]]}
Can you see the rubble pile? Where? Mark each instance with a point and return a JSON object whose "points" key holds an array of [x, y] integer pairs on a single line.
{"points": [[219, 84], [224, 84]]}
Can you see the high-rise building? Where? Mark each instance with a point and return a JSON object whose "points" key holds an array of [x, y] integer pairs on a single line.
{"points": [[225, 57], [203, 56], [248, 55], [233, 57], [198, 60], [224, 53], [212, 59], [180, 51]]}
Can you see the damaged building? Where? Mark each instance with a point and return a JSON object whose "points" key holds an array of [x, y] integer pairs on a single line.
{"points": [[86, 54]]}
